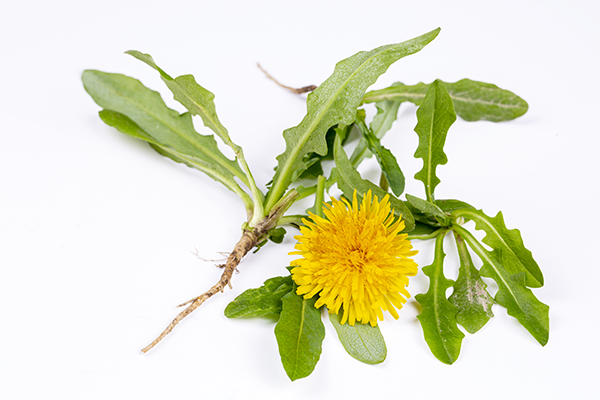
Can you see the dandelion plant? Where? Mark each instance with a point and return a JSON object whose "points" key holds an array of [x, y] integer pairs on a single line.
{"points": [[355, 252]]}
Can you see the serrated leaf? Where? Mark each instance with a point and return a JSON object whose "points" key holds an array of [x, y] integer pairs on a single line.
{"points": [[348, 179], [470, 297], [265, 301], [387, 162], [169, 129], [428, 209], [362, 341], [387, 112], [125, 125], [438, 317], [335, 101], [300, 333], [520, 302], [515, 257], [473, 100], [435, 116]]}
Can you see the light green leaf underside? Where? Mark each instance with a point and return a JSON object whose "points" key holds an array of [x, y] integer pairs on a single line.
{"points": [[515, 257], [125, 125], [348, 179], [435, 116], [387, 112], [473, 100], [335, 101], [520, 302], [470, 297], [362, 341], [387, 162], [438, 317], [167, 128], [300, 333], [263, 301]]}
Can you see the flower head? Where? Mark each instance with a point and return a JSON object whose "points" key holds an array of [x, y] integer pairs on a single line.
{"points": [[355, 259]]}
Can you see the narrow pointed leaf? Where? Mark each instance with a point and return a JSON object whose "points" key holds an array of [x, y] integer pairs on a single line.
{"points": [[520, 302], [470, 297], [300, 333], [349, 179], [438, 317], [387, 162], [335, 101], [263, 301], [429, 209], [515, 257], [387, 112], [145, 107], [435, 116], [473, 100], [362, 341]]}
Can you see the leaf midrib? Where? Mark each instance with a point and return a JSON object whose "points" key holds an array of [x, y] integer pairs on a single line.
{"points": [[299, 336], [396, 95]]}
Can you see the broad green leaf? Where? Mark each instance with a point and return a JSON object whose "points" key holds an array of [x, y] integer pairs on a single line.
{"points": [[423, 232], [473, 302], [125, 125], [520, 302], [313, 161], [169, 129], [335, 101], [194, 97], [277, 235], [362, 341], [264, 301], [429, 209], [435, 116], [387, 112], [348, 179], [473, 100], [449, 205], [438, 318], [300, 333], [389, 166], [515, 257]]}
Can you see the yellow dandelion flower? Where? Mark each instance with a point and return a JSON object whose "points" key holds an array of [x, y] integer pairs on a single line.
{"points": [[355, 259]]}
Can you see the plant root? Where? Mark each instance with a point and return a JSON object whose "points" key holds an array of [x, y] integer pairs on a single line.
{"points": [[245, 244], [301, 90]]}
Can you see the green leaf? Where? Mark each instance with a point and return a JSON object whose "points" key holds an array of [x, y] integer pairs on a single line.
{"points": [[438, 317], [300, 333], [387, 112], [473, 302], [423, 232], [520, 302], [435, 116], [264, 301], [449, 205], [362, 341], [277, 235], [473, 100], [429, 209], [125, 125], [167, 128], [389, 166], [348, 179], [515, 257], [335, 101]]}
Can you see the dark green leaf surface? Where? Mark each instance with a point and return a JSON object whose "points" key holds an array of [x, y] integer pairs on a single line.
{"points": [[362, 341], [470, 297], [473, 100], [449, 205], [438, 317], [348, 179], [435, 116], [423, 231], [515, 257], [429, 209], [389, 166], [167, 128], [264, 301], [387, 112], [520, 302], [335, 101], [300, 333]]}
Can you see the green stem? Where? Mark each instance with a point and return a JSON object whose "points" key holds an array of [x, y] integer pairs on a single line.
{"points": [[291, 220], [425, 237]]}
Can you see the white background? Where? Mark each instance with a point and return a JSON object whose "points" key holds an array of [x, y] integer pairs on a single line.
{"points": [[98, 232]]}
